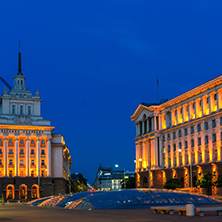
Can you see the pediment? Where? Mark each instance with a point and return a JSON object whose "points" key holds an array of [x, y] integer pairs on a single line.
{"points": [[141, 113], [144, 114]]}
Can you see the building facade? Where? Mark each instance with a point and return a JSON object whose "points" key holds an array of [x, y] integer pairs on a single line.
{"points": [[108, 179], [33, 161], [180, 138]]}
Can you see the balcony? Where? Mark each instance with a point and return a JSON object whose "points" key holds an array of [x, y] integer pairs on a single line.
{"points": [[21, 145], [32, 145], [43, 166], [11, 166], [10, 154], [22, 166], [21, 155], [33, 166], [1, 155], [1, 166], [32, 155], [11, 144], [42, 145]]}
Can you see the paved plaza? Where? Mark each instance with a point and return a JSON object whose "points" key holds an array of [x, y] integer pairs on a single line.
{"points": [[24, 213]]}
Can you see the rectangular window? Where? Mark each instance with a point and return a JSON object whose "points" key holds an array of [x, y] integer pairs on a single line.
{"points": [[199, 141], [10, 151], [13, 109], [206, 139], [174, 135], [198, 127], [174, 147], [185, 132], [10, 173], [32, 142], [221, 121], [192, 143], [21, 151], [180, 147], [163, 138], [186, 144], [32, 162], [0, 162], [213, 123], [168, 148], [32, 173], [179, 133], [0, 151], [192, 130], [214, 138], [10, 162], [43, 162], [163, 149], [42, 152], [32, 151], [168, 136], [206, 125], [10, 141], [29, 110], [21, 109]]}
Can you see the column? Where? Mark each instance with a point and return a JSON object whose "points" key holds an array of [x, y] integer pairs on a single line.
{"points": [[16, 157], [195, 109], [136, 129], [38, 157], [210, 104], [148, 153], [27, 157], [137, 156], [6, 156], [172, 118], [202, 108], [219, 99], [188, 111], [148, 125], [49, 167], [140, 155]]}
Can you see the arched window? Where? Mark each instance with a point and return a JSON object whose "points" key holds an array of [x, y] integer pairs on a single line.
{"points": [[23, 191], [35, 191], [10, 192]]}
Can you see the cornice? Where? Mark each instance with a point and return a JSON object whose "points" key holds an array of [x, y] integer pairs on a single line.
{"points": [[27, 127], [197, 90]]}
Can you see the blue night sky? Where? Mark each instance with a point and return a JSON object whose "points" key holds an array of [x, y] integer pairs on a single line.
{"points": [[94, 62]]}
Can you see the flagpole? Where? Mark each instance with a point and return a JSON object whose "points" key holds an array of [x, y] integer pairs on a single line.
{"points": [[157, 83]]}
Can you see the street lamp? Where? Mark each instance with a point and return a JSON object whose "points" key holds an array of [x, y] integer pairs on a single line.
{"points": [[124, 183]]}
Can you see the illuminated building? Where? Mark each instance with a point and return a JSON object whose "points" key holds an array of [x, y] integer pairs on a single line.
{"points": [[33, 160], [108, 179], [180, 138]]}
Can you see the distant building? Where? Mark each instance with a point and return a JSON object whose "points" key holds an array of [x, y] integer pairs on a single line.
{"points": [[180, 138], [109, 179], [33, 160]]}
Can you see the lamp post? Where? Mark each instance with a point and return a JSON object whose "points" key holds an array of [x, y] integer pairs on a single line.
{"points": [[124, 183]]}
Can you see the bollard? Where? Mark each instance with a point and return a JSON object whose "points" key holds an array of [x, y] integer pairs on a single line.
{"points": [[190, 210]]}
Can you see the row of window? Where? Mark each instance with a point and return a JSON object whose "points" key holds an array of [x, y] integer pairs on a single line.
{"points": [[22, 162], [22, 174], [206, 140], [21, 141], [192, 130], [22, 151], [21, 109]]}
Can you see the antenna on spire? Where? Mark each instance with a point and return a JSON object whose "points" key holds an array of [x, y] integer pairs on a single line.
{"points": [[19, 59]]}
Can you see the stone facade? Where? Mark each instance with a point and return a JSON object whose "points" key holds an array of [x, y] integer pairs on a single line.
{"points": [[180, 138]]}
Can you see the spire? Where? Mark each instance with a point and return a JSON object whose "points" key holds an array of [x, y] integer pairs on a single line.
{"points": [[19, 61]]}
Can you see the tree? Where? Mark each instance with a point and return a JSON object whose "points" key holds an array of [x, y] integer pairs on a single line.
{"points": [[78, 183], [130, 183], [205, 182], [172, 183], [218, 182]]}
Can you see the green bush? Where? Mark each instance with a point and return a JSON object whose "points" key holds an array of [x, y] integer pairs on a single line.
{"points": [[172, 184]]}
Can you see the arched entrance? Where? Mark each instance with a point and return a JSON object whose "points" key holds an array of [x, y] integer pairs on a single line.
{"points": [[35, 191], [23, 191], [10, 192]]}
